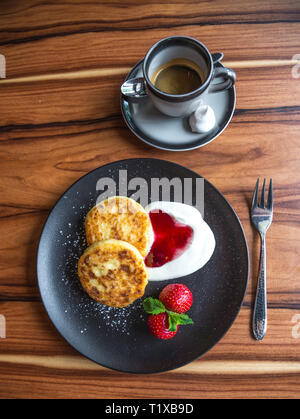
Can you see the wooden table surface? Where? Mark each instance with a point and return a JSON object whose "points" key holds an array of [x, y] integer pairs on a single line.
{"points": [[60, 118]]}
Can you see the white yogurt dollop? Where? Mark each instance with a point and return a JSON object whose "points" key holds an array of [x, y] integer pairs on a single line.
{"points": [[203, 119], [197, 253]]}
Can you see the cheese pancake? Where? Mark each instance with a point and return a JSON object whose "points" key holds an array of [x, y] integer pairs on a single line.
{"points": [[119, 218], [113, 273]]}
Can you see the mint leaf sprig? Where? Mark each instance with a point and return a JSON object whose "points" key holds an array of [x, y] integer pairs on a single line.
{"points": [[155, 306]]}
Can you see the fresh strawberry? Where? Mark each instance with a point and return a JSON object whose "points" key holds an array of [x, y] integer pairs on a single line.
{"points": [[176, 297], [163, 323], [159, 326]]}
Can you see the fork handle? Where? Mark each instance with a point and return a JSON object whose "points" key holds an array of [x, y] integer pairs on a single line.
{"points": [[260, 308]]}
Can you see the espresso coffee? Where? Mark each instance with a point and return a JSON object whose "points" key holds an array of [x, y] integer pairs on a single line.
{"points": [[177, 77]]}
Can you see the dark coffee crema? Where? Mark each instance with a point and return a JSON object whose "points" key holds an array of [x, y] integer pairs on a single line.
{"points": [[178, 76]]}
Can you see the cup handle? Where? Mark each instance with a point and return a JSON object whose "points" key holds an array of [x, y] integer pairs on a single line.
{"points": [[226, 73], [134, 89]]}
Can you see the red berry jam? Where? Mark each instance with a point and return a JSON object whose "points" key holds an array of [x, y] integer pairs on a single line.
{"points": [[171, 238]]}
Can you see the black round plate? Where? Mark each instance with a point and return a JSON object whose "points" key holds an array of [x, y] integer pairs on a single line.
{"points": [[119, 338]]}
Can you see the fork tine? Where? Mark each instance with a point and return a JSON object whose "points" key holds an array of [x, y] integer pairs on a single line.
{"points": [[262, 198], [255, 194], [270, 196]]}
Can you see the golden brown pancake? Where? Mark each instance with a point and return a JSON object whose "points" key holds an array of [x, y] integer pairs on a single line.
{"points": [[113, 273], [119, 218]]}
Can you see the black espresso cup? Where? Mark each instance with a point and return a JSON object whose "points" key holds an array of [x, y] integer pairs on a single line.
{"points": [[174, 48]]}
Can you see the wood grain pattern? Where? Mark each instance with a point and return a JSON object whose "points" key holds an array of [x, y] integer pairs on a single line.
{"points": [[60, 118]]}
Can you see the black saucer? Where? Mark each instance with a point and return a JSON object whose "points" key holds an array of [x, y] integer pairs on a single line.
{"points": [[168, 133]]}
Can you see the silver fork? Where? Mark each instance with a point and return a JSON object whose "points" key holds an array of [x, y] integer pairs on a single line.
{"points": [[261, 217]]}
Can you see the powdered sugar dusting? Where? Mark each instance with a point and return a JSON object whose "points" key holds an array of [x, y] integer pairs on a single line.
{"points": [[72, 242]]}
